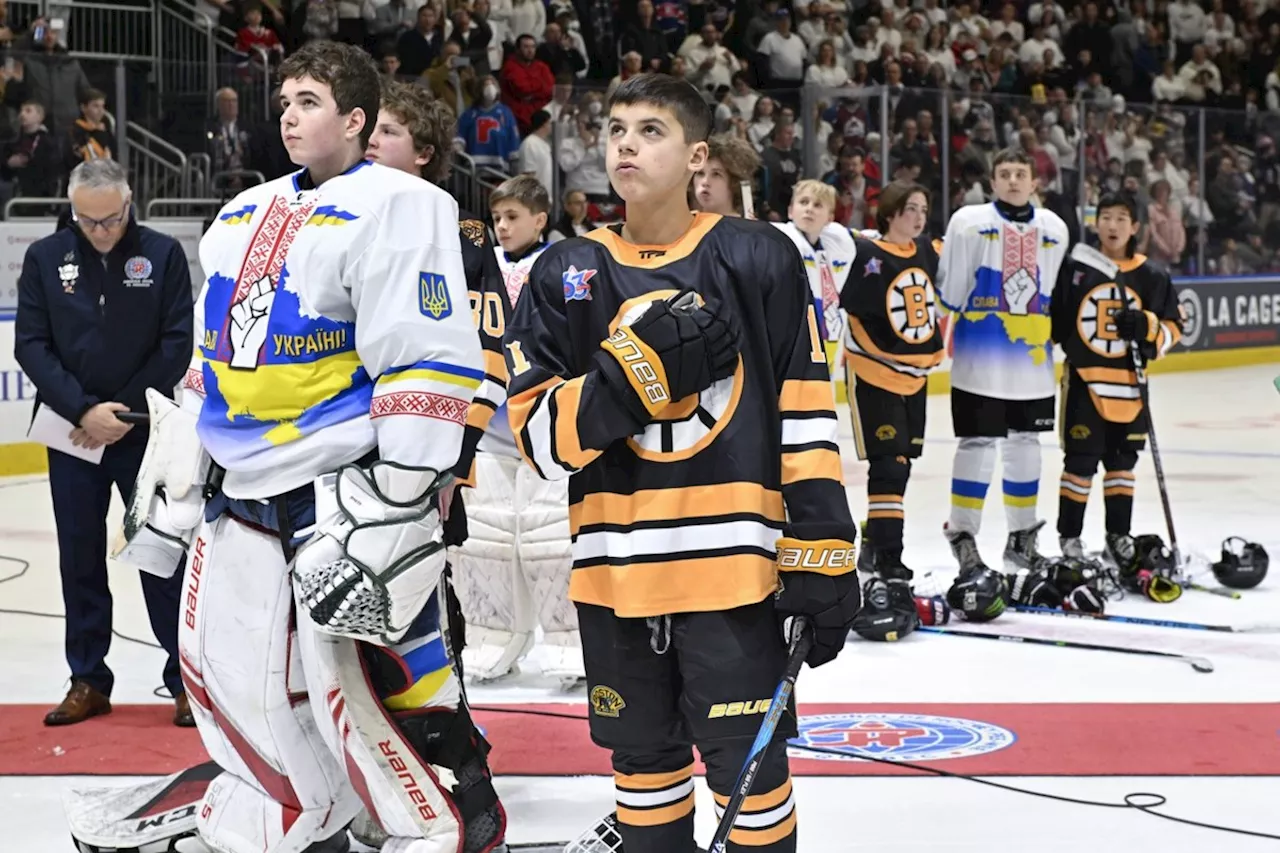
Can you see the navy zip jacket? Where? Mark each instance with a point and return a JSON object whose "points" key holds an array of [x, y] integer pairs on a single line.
{"points": [[94, 329]]}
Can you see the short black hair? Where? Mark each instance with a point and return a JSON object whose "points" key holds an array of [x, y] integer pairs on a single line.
{"points": [[672, 93], [1118, 200]]}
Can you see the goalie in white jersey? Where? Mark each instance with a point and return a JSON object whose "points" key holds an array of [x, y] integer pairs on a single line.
{"points": [[997, 272], [336, 360], [512, 573]]}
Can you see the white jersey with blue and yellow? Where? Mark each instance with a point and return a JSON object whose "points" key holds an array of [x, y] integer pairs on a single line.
{"points": [[997, 276], [827, 264], [334, 320]]}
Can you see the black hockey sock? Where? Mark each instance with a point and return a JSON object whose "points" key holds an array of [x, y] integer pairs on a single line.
{"points": [[767, 822], [1073, 498], [655, 807], [1117, 495], [886, 484]]}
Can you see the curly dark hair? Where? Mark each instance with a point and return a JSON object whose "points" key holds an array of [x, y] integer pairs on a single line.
{"points": [[348, 71], [430, 123]]}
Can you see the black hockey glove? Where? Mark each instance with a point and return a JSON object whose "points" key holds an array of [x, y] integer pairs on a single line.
{"points": [[1132, 324], [676, 348], [818, 580]]}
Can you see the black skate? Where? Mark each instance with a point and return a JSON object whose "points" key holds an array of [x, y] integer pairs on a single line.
{"points": [[965, 548], [1021, 551]]}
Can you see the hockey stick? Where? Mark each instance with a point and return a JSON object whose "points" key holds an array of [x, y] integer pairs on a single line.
{"points": [[1155, 623], [1197, 663], [1140, 368], [1216, 590], [800, 643]]}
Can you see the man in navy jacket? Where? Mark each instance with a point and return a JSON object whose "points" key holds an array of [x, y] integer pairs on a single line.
{"points": [[104, 312]]}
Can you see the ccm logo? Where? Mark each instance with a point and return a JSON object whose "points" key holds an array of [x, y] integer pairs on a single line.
{"points": [[410, 784], [739, 709], [630, 353], [193, 583], [817, 558]]}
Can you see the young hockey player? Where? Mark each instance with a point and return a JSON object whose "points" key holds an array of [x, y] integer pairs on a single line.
{"points": [[513, 572], [891, 343], [717, 187], [335, 364], [698, 434], [827, 250], [1102, 308], [997, 270]]}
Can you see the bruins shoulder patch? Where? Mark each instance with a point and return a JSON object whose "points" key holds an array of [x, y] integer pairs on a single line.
{"points": [[473, 230]]}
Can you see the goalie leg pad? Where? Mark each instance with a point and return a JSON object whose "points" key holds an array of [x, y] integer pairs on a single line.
{"points": [[495, 598], [546, 563], [242, 670], [421, 773], [145, 817]]}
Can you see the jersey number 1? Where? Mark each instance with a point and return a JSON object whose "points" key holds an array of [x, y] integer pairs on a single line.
{"points": [[817, 354], [519, 364]]}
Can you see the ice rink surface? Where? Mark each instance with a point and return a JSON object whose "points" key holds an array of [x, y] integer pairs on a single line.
{"points": [[1220, 435]]}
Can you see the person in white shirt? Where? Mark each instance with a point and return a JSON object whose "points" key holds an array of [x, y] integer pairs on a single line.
{"points": [[709, 64], [967, 22], [887, 32], [1187, 23], [812, 27], [785, 51], [1168, 86], [1008, 23], [527, 18], [1040, 48], [744, 98], [938, 51], [826, 71], [534, 157], [1220, 34], [1202, 77], [581, 155]]}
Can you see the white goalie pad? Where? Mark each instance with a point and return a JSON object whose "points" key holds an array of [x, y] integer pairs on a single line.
{"points": [[409, 804], [378, 552], [147, 817], [168, 496]]}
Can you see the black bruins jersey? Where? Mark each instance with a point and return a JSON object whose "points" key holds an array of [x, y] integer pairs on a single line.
{"points": [[1084, 303], [682, 516], [893, 340], [491, 312]]}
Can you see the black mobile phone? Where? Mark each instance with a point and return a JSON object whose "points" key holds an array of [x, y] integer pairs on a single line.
{"points": [[133, 417]]}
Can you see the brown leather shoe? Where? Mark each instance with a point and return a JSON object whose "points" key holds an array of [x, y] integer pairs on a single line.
{"points": [[182, 712], [82, 702]]}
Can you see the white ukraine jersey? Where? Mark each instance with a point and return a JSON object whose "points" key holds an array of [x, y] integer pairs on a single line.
{"points": [[997, 276], [827, 265], [515, 274], [333, 320]]}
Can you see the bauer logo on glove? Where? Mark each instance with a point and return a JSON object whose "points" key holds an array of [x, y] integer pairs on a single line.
{"points": [[830, 556], [378, 552]]}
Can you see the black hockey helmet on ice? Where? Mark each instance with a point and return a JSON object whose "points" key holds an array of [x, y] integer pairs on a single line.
{"points": [[1243, 564], [981, 596]]}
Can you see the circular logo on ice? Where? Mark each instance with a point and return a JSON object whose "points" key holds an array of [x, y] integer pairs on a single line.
{"points": [[1192, 316], [897, 737]]}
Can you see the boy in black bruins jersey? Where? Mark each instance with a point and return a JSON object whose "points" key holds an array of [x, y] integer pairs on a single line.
{"points": [[706, 501], [1096, 315], [891, 343]]}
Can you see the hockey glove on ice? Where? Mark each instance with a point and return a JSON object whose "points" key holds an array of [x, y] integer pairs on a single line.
{"points": [[674, 349], [818, 580]]}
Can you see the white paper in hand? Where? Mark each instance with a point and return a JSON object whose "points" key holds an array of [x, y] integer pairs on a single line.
{"points": [[54, 432]]}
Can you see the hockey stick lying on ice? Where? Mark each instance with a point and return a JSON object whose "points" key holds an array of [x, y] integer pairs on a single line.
{"points": [[1155, 623], [1197, 663], [1216, 590], [800, 642]]}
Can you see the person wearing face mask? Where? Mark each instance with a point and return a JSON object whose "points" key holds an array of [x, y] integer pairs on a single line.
{"points": [[489, 128]]}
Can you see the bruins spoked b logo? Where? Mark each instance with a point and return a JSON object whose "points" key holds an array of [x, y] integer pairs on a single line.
{"points": [[1097, 323], [684, 428], [910, 306]]}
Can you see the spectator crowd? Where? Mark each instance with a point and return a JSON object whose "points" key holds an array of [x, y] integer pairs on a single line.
{"points": [[1175, 102]]}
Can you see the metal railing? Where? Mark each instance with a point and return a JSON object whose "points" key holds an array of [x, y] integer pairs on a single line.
{"points": [[208, 205], [159, 168], [45, 203]]}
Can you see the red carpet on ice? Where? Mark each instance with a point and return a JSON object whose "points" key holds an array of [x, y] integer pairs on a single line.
{"points": [[989, 740]]}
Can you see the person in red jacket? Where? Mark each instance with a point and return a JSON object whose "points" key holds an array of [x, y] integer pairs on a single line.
{"points": [[526, 82]]}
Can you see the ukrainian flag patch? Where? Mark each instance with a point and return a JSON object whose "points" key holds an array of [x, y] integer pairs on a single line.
{"points": [[433, 296]]}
